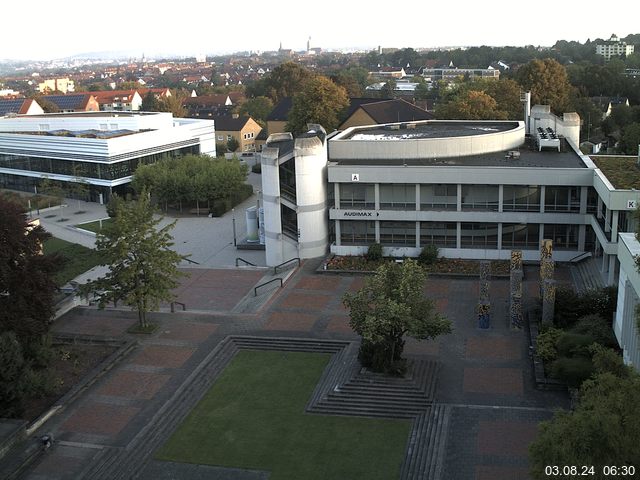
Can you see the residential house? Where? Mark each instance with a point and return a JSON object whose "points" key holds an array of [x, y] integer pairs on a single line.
{"points": [[74, 102], [372, 111], [279, 116], [389, 72], [63, 85], [244, 129], [606, 104], [209, 105], [19, 106], [118, 100], [613, 48]]}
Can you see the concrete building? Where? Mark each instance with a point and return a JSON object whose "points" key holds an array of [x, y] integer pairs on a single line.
{"points": [[62, 85], [625, 324], [613, 48], [453, 73], [102, 148]]}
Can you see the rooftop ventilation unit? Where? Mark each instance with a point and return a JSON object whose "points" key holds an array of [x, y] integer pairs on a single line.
{"points": [[513, 154], [392, 127], [411, 126]]}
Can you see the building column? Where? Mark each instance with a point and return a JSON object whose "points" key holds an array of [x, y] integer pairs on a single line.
{"points": [[584, 192], [500, 202], [540, 235], [458, 233], [582, 236], [614, 225], [459, 203], [605, 258], [417, 234], [377, 231], [376, 196], [336, 195], [543, 194], [599, 210], [417, 197], [612, 270], [607, 221], [337, 232], [500, 224]]}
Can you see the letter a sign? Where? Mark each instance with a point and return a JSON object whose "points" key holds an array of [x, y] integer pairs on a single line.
{"points": [[355, 177]]}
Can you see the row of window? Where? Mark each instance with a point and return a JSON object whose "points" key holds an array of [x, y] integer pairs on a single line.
{"points": [[444, 234], [516, 198], [103, 171]]}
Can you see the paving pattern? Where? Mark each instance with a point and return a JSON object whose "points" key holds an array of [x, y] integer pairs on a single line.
{"points": [[482, 413]]}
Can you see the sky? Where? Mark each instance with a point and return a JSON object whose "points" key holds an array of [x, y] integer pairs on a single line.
{"points": [[211, 27]]}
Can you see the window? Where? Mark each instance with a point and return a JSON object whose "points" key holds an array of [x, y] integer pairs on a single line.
{"points": [[229, 137], [439, 197], [521, 198], [398, 234], [357, 195], [565, 237], [440, 234], [354, 232], [562, 199], [520, 236], [479, 235], [480, 197], [397, 196], [220, 137]]}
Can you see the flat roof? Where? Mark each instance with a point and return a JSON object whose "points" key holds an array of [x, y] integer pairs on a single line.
{"points": [[528, 159], [622, 172], [429, 129], [101, 113]]}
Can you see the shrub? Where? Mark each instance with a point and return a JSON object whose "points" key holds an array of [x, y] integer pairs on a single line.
{"points": [[574, 344], [546, 344], [607, 360], [573, 371], [428, 255], [597, 327], [257, 168], [571, 306], [374, 253]]}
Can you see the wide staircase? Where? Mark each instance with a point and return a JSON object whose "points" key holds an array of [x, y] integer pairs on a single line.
{"points": [[586, 274]]}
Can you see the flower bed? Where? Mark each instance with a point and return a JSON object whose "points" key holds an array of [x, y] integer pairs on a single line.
{"points": [[456, 266]]}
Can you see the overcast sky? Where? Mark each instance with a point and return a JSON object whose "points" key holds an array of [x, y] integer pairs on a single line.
{"points": [[46, 31]]}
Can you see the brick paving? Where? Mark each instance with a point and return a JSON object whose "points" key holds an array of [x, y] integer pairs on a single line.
{"points": [[479, 368]]}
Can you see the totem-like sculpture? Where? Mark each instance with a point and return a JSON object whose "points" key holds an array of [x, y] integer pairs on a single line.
{"points": [[515, 294], [484, 305], [547, 283]]}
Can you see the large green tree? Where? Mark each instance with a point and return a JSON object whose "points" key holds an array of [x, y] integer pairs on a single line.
{"points": [[257, 108], [548, 82], [143, 269], [471, 105], [391, 305], [321, 101], [604, 428], [286, 80], [26, 283]]}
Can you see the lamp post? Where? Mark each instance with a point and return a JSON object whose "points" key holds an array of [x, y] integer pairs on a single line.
{"points": [[233, 220]]}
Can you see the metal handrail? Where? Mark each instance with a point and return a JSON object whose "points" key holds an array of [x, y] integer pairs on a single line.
{"points": [[583, 254], [173, 306], [255, 290], [245, 261], [275, 269], [190, 261]]}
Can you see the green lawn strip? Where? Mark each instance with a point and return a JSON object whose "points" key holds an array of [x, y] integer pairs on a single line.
{"points": [[95, 226], [253, 417], [77, 259]]}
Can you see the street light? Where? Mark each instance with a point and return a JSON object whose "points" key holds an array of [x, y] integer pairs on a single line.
{"points": [[233, 219]]}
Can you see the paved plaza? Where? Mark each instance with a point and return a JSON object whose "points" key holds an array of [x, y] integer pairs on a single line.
{"points": [[485, 380]]}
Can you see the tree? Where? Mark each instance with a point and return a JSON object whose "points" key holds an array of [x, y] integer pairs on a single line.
{"points": [[150, 103], [286, 80], [548, 82], [143, 270], [321, 101], [233, 144], [388, 90], [604, 429], [630, 138], [26, 283], [257, 108], [470, 105], [174, 104], [79, 187], [54, 189], [389, 306], [422, 91]]}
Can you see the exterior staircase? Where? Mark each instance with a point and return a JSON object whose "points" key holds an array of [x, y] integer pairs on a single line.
{"points": [[586, 274]]}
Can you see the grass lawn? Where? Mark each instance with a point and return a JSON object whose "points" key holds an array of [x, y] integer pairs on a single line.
{"points": [[95, 226], [622, 172], [253, 417], [78, 259]]}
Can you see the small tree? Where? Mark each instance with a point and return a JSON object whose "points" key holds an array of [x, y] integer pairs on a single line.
{"points": [[233, 144], [389, 306], [143, 270]]}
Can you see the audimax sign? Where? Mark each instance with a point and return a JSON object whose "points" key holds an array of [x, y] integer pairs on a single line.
{"points": [[362, 213]]}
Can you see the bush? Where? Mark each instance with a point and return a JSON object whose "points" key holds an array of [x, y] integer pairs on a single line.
{"points": [[574, 344], [374, 253], [428, 255], [597, 327], [571, 306], [221, 206], [572, 371], [607, 360], [546, 344], [257, 168]]}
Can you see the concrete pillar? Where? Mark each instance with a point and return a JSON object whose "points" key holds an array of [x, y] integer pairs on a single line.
{"points": [[605, 260], [417, 197], [582, 236], [500, 201], [458, 235], [614, 225], [543, 194], [499, 236], [599, 210], [271, 201], [607, 221], [336, 194], [417, 234], [338, 233], [484, 304], [459, 199], [377, 231], [548, 302], [584, 192], [611, 277], [376, 195]]}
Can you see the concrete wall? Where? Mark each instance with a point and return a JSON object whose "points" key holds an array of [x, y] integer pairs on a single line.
{"points": [[625, 325]]}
